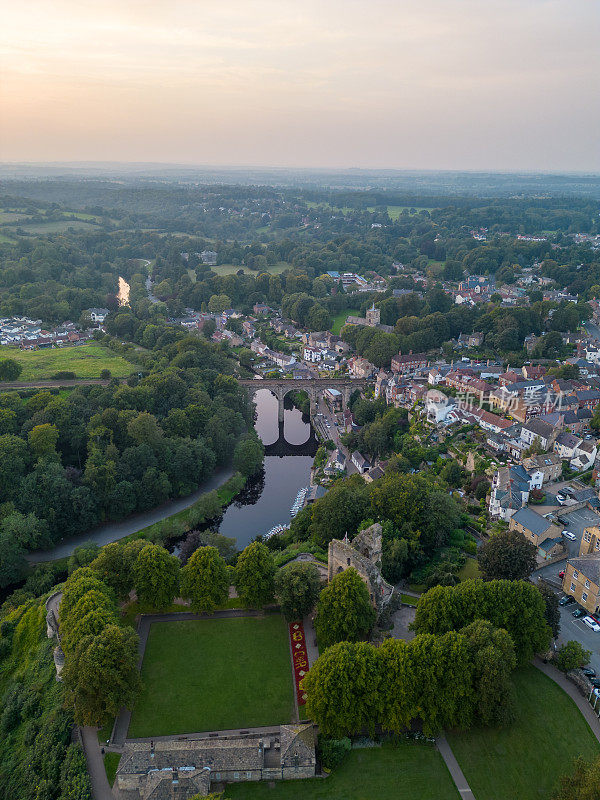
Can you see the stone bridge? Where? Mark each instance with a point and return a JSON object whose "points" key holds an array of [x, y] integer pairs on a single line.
{"points": [[314, 387]]}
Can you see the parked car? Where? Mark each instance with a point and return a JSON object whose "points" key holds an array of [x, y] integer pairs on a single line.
{"points": [[579, 612], [566, 600], [569, 535], [591, 623], [590, 673], [595, 682], [561, 574]]}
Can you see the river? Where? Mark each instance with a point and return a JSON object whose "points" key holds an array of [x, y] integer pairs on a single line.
{"points": [[276, 489], [123, 294], [266, 503]]}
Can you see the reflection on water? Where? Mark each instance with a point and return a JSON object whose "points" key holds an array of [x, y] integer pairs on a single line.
{"points": [[267, 499], [123, 294]]}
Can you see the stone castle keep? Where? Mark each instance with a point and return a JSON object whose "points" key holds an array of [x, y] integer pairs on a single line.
{"points": [[364, 554], [171, 769]]}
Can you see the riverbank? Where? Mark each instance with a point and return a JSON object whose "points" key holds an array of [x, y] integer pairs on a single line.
{"points": [[174, 515]]}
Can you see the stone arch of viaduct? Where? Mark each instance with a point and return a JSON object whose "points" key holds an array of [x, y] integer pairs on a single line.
{"points": [[313, 387]]}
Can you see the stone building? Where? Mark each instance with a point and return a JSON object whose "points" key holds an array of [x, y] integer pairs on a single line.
{"points": [[175, 769], [364, 554]]}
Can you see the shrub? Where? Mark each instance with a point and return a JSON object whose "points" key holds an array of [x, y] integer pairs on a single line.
{"points": [[63, 375], [333, 751]]}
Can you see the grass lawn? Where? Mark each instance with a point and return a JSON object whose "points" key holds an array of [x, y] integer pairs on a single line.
{"points": [[210, 675], [409, 600], [526, 760], [4, 239], [404, 772], [86, 361], [340, 319], [231, 269], [111, 763], [470, 570]]}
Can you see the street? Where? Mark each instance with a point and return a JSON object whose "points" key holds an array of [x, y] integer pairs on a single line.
{"points": [[323, 416]]}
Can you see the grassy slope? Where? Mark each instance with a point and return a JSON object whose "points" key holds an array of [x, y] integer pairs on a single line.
{"points": [[405, 772], [525, 760], [214, 675], [86, 361]]}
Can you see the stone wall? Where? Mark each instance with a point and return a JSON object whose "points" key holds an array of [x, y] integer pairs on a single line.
{"points": [[364, 555]]}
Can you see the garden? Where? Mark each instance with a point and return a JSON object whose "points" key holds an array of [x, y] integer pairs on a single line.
{"points": [[214, 674], [85, 361]]}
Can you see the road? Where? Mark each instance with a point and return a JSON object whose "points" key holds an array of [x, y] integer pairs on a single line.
{"points": [[331, 431], [105, 534]]}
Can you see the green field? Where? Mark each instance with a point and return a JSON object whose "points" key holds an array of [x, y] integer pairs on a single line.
{"points": [[340, 319], [231, 269], [4, 239], [86, 361], [214, 674], [54, 226], [404, 772], [525, 760]]}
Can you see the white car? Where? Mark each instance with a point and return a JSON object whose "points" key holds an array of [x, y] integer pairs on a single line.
{"points": [[591, 623], [569, 535]]}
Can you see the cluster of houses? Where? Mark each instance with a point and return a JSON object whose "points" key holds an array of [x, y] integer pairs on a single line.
{"points": [[28, 334]]}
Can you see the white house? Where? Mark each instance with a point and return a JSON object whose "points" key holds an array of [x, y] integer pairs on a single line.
{"points": [[98, 315]]}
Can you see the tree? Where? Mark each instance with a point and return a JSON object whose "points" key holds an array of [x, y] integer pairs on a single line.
{"points": [[516, 606], [12, 560], [9, 369], [101, 675], [571, 655], [340, 510], [115, 563], [204, 580], [508, 555], [248, 454], [43, 439], [297, 587], [493, 657], [552, 610], [582, 784], [254, 575], [342, 688], [156, 576], [82, 556], [344, 610]]}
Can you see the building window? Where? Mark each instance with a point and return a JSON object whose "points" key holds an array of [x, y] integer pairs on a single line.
{"points": [[236, 776], [575, 574], [572, 587], [587, 584], [584, 596], [248, 774]]}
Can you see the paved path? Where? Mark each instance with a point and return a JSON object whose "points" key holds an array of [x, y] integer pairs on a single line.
{"points": [[454, 768], [310, 637], [571, 689], [118, 530], [95, 763]]}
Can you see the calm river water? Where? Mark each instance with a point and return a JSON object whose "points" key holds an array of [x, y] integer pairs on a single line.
{"points": [[269, 500]]}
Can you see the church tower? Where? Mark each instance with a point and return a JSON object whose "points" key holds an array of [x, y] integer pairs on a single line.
{"points": [[373, 316]]}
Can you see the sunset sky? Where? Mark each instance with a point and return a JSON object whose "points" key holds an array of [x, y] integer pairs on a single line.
{"points": [[417, 84]]}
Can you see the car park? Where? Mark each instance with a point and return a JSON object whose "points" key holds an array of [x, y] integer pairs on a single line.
{"points": [[579, 612], [591, 623], [566, 600], [569, 535]]}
